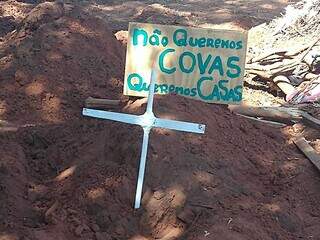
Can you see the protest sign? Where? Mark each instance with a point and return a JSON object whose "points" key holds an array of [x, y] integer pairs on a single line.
{"points": [[203, 64]]}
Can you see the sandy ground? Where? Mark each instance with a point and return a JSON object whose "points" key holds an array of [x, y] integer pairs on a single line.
{"points": [[230, 14]]}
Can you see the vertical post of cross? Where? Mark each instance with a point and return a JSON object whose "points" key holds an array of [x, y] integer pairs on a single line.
{"points": [[142, 167], [151, 92], [146, 130]]}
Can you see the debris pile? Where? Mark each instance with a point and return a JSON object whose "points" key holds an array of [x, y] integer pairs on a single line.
{"points": [[290, 57], [299, 19]]}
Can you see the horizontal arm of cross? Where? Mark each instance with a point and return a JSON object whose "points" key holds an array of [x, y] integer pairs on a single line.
{"points": [[179, 125], [146, 120], [119, 117]]}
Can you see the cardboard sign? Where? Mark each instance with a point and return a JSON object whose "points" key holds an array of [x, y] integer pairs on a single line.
{"points": [[203, 64]]}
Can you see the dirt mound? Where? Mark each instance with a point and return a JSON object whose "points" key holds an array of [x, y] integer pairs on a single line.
{"points": [[58, 57], [71, 177], [238, 181]]}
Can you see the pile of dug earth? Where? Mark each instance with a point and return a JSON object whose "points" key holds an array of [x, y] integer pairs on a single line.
{"points": [[65, 177]]}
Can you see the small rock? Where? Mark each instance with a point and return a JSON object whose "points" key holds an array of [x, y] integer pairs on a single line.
{"points": [[78, 231], [3, 169], [64, 101], [95, 227], [32, 195], [122, 36], [186, 216], [289, 223], [102, 236], [71, 211], [298, 128], [119, 230], [21, 77], [29, 139], [75, 220], [85, 227], [99, 236], [103, 220], [36, 192], [39, 154]]}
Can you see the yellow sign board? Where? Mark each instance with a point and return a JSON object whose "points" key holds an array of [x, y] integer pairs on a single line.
{"points": [[203, 64]]}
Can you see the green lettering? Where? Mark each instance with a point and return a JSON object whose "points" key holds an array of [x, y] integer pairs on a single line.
{"points": [[180, 42], [199, 86], [193, 92], [210, 42], [233, 66], [215, 93], [239, 45], [232, 45], [136, 34], [223, 95], [172, 88], [193, 42], [181, 62], [164, 88], [145, 88], [202, 42], [179, 90], [217, 65], [238, 92], [186, 92], [217, 43], [161, 62], [203, 65], [135, 86], [225, 43], [231, 95]]}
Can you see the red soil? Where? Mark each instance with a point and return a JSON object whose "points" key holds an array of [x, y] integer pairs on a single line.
{"points": [[70, 177]]}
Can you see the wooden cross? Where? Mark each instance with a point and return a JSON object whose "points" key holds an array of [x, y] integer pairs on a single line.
{"points": [[146, 121]]}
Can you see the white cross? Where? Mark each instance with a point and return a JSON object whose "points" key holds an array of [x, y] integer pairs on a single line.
{"points": [[146, 121]]}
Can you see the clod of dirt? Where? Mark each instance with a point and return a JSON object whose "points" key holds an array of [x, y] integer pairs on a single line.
{"points": [[122, 36], [44, 13]]}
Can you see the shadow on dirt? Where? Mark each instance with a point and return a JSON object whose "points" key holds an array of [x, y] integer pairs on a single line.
{"points": [[7, 24]]}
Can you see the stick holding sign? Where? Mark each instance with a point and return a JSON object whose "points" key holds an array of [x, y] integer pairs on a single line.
{"points": [[147, 121]]}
